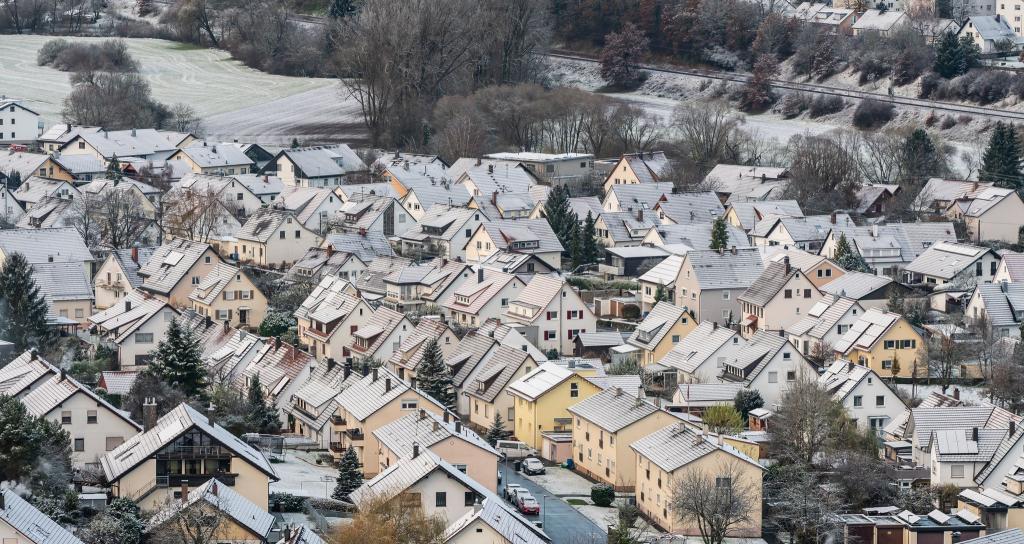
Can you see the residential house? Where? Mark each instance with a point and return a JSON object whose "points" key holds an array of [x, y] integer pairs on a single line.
{"points": [[25, 373], [668, 454], [22, 124], [873, 199], [367, 246], [819, 270], [1010, 269], [659, 281], [635, 197], [700, 356], [67, 291], [406, 359], [50, 212], [380, 336], [554, 313], [62, 266], [35, 190], [370, 283], [267, 188], [889, 248], [483, 180], [990, 215], [150, 467], [998, 306], [282, 368], [542, 400], [962, 265], [869, 290], [383, 214], [990, 32], [329, 316], [411, 288], [823, 325], [605, 425], [273, 237], [27, 165], [739, 183], [886, 343], [746, 214], [217, 159], [807, 233], [238, 198], [520, 264], [958, 456], [938, 195], [324, 262], [240, 521], [11, 209], [710, 282], [315, 207], [134, 326], [627, 228], [487, 386], [509, 206], [869, 400], [442, 231], [555, 168], [60, 134], [684, 237], [766, 362], [117, 383], [695, 398], [835, 19], [629, 262], [467, 359], [446, 437], [228, 294], [175, 269], [661, 330], [923, 422], [20, 522], [474, 302], [143, 143], [313, 404], [778, 298], [525, 236], [318, 166], [689, 208], [637, 168], [497, 522], [884, 22]]}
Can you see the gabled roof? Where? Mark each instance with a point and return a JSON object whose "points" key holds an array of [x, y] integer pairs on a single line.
{"points": [[802, 229], [614, 410], [130, 143], [128, 314], [691, 208], [328, 302], [505, 177], [676, 446], [540, 380], [709, 392], [214, 282], [652, 330], [426, 429], [474, 294], [856, 285], [628, 226], [49, 212], [638, 196], [924, 421], [264, 223], [946, 259], [496, 372], [141, 447], [130, 268], [58, 389], [301, 535], [539, 292], [536, 233], [118, 382], [698, 235], [368, 247], [1014, 264], [440, 221], [765, 288], [223, 498], [379, 328], [25, 370], [1003, 301], [874, 19], [993, 28], [911, 238], [958, 445], [26, 164], [842, 377], [207, 155], [665, 272], [866, 331], [277, 365], [726, 270], [323, 161], [506, 522], [320, 389], [410, 352], [33, 524], [60, 245], [169, 264], [371, 393], [35, 190], [948, 190], [305, 201], [468, 354], [64, 132], [647, 166], [62, 281], [696, 347], [823, 316], [756, 353], [371, 280], [749, 213]]}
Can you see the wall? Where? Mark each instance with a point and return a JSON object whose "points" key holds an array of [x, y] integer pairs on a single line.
{"points": [[95, 435], [110, 292], [17, 124], [128, 349], [389, 413], [178, 297]]}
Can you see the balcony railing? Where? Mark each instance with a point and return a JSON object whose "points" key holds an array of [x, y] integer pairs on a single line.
{"points": [[338, 420], [354, 434], [337, 447], [193, 452], [194, 480]]}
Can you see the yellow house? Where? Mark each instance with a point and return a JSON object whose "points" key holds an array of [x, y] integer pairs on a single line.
{"points": [[175, 269], [604, 426], [119, 274], [635, 168], [228, 294], [486, 387], [21, 523], [883, 340], [236, 519], [542, 401], [673, 452], [661, 330], [184, 447]]}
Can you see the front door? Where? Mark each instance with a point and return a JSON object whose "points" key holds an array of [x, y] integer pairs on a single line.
{"points": [[243, 317]]}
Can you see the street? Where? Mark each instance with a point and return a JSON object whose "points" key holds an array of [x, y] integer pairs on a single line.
{"points": [[563, 523]]}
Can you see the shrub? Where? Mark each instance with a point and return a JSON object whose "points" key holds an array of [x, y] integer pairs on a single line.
{"points": [[872, 114], [824, 104], [50, 50], [986, 87], [931, 119], [793, 104], [106, 56], [929, 83], [285, 502], [947, 122], [602, 495]]}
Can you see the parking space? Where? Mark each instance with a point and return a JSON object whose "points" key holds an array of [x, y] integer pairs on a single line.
{"points": [[563, 523]]}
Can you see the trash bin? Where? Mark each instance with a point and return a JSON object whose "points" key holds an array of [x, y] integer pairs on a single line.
{"points": [[518, 465]]}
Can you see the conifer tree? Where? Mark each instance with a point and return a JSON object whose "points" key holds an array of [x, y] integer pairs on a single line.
{"points": [[591, 246], [114, 171], [920, 159], [847, 258], [497, 430], [719, 234], [661, 294], [22, 308], [434, 376], [177, 360], [262, 416], [1002, 159], [350, 476], [143, 7], [576, 245], [560, 216]]}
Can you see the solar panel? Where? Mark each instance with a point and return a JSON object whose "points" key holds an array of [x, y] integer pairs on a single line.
{"points": [[938, 516], [173, 258]]}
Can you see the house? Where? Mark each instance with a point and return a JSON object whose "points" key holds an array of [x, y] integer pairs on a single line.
{"points": [[629, 262], [510, 206], [605, 425], [836, 19], [627, 228], [483, 180], [486, 388], [637, 168], [989, 32], [94, 425], [886, 343], [710, 281], [819, 270], [635, 197], [520, 264], [60, 134], [315, 207], [766, 362], [884, 22], [367, 246], [20, 522], [25, 373], [867, 398], [959, 455], [117, 382], [998, 305], [324, 262], [175, 268], [923, 422], [238, 198], [990, 215], [233, 517], [688, 208], [542, 400], [272, 237], [963, 265], [498, 523], [661, 330], [134, 326], [486, 297], [221, 160], [888, 248], [380, 336], [823, 325], [695, 398], [144, 143], [466, 360], [50, 212], [659, 281], [738, 183], [11, 209], [778, 298], [313, 404], [27, 165], [370, 283], [938, 195], [412, 288], [673, 452], [35, 189], [807, 233], [382, 214], [329, 316], [22, 124], [374, 401], [67, 291], [873, 198], [147, 468], [553, 312], [442, 231], [446, 437], [525, 236], [555, 168], [424, 185], [684, 237], [869, 290], [700, 356], [228, 294], [1010, 269], [318, 166], [746, 214], [62, 266], [282, 369], [405, 360]]}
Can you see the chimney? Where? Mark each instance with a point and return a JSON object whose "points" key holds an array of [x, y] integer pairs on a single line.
{"points": [[478, 161], [387, 385], [974, 434], [714, 325], [618, 391], [148, 413], [490, 168], [640, 214], [458, 426], [211, 414], [832, 218], [494, 198], [208, 322], [437, 426], [330, 364], [374, 375], [785, 261], [735, 251], [184, 492], [127, 305], [33, 354], [366, 369], [135, 255], [330, 250], [956, 393], [277, 343], [227, 326], [446, 416], [63, 374], [423, 413], [415, 450], [1003, 286], [347, 371], [1013, 428], [480, 275], [362, 232], [874, 231]]}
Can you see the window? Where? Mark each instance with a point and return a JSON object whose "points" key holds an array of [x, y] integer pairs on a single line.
{"points": [[675, 338], [504, 303], [858, 401], [143, 338], [880, 400], [298, 234], [113, 442], [909, 344], [552, 315], [791, 376], [90, 417], [788, 293], [79, 313], [723, 482], [887, 364], [409, 404], [281, 235], [956, 471], [469, 233], [773, 377], [786, 356], [889, 344], [725, 295], [79, 444], [65, 418], [441, 499], [470, 498], [977, 268], [574, 390], [807, 293]]}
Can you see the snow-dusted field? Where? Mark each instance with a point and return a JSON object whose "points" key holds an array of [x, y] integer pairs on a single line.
{"points": [[234, 100]]}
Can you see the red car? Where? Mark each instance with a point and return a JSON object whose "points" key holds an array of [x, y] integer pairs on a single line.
{"points": [[527, 504]]}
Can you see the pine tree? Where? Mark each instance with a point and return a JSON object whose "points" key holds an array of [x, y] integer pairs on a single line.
{"points": [[22, 308], [350, 476], [262, 417], [177, 360], [661, 294], [756, 95], [434, 376], [591, 245], [948, 56], [847, 258], [497, 430], [114, 171], [719, 234], [1002, 159], [920, 159], [576, 245], [295, 143], [143, 7], [559, 215], [895, 303]]}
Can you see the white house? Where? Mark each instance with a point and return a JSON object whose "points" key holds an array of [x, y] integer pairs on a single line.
{"points": [[18, 124]]}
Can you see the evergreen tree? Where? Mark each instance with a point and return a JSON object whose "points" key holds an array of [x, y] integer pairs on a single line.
{"points": [[756, 94], [114, 171], [434, 376], [719, 234], [591, 245], [350, 476], [13, 180], [262, 417], [497, 430], [747, 400], [920, 159], [143, 7], [177, 360], [295, 143], [661, 294], [948, 56], [847, 258], [560, 216], [22, 308], [576, 245], [895, 303], [1002, 159], [341, 8]]}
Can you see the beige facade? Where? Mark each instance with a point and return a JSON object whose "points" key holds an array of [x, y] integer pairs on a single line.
{"points": [[94, 428], [479, 464], [178, 295], [482, 411], [333, 339], [350, 431], [787, 307], [1002, 221], [278, 250], [558, 322], [900, 342], [240, 303], [110, 284], [605, 455], [137, 484], [78, 310], [717, 305]]}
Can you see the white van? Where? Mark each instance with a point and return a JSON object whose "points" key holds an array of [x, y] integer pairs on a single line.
{"points": [[514, 449]]}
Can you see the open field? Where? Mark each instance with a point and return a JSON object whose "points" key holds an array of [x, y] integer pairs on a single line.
{"points": [[235, 101]]}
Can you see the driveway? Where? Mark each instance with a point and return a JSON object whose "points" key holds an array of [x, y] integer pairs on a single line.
{"points": [[563, 523]]}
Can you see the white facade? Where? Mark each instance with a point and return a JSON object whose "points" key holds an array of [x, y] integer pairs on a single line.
{"points": [[18, 124]]}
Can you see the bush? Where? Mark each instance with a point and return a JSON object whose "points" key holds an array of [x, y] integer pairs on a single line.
{"points": [[871, 114], [602, 495], [275, 324], [793, 104], [929, 83], [285, 502], [947, 122], [825, 104], [50, 50], [106, 56]]}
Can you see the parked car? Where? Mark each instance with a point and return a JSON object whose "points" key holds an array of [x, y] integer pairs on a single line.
{"points": [[527, 504], [514, 449], [510, 491], [532, 465]]}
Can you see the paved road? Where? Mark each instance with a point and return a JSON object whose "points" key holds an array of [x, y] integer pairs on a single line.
{"points": [[563, 523]]}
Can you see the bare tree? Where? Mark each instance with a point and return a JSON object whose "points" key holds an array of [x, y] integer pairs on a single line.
{"points": [[399, 520], [122, 217], [809, 422], [193, 214], [799, 508], [192, 521], [716, 503], [84, 216], [707, 134], [185, 119], [825, 172], [945, 354]]}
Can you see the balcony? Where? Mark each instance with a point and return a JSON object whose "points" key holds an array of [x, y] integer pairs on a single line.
{"points": [[354, 434], [194, 480], [338, 420], [337, 447], [194, 452]]}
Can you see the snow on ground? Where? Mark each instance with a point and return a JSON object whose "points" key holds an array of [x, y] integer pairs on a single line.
{"points": [[300, 475], [600, 515], [562, 482], [969, 394], [235, 101]]}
